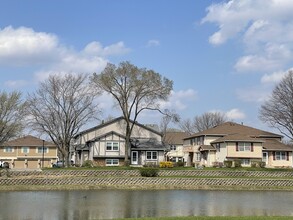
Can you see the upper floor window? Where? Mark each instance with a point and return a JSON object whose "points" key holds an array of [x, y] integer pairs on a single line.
{"points": [[173, 147], [112, 146], [244, 146], [25, 150], [8, 149], [41, 150]]}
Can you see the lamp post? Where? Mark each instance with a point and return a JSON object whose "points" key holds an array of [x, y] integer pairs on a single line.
{"points": [[43, 149]]}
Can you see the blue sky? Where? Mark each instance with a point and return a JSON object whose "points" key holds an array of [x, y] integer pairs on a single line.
{"points": [[222, 55]]}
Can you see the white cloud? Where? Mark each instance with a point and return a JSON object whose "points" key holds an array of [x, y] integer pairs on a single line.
{"points": [[235, 114], [265, 28], [153, 43], [179, 100], [274, 77], [24, 46], [255, 94], [15, 83]]}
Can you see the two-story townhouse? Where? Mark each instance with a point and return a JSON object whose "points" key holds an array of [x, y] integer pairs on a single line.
{"points": [[105, 144], [232, 141], [175, 140], [28, 152]]}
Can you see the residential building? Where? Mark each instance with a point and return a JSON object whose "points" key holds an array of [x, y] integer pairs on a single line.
{"points": [[175, 140], [105, 144], [28, 152], [232, 141]]}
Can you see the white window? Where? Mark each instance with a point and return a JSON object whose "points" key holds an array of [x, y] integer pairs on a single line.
{"points": [[245, 162], [40, 150], [151, 155], [112, 162], [112, 146], [173, 147], [244, 146], [280, 155], [25, 150], [197, 156], [8, 149]]}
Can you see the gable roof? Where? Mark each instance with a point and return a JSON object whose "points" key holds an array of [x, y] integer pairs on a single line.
{"points": [[175, 137], [28, 141], [104, 124], [105, 135], [234, 128], [148, 144]]}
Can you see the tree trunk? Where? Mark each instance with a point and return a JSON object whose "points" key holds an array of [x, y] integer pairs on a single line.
{"points": [[127, 145]]}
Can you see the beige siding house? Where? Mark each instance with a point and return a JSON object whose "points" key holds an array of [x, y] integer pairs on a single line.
{"points": [[105, 144], [232, 141], [28, 152], [175, 140]]}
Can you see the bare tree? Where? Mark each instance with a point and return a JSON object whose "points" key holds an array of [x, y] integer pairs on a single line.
{"points": [[170, 117], [12, 113], [134, 90], [60, 107], [200, 123], [277, 111]]}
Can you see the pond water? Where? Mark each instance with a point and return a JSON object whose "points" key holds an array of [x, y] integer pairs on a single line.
{"points": [[109, 204]]}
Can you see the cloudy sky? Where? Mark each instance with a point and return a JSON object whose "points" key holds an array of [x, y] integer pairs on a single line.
{"points": [[222, 55]]}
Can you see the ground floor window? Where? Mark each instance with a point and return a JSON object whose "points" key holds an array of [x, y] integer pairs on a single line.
{"points": [[151, 155], [197, 156], [245, 162], [112, 162], [281, 155]]}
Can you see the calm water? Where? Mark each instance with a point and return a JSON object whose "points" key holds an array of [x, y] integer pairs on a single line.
{"points": [[108, 204]]}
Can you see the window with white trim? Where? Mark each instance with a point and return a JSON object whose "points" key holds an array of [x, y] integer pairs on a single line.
{"points": [[112, 146], [151, 155], [279, 155], [173, 147], [244, 146], [197, 156], [245, 162], [40, 150], [25, 150], [8, 149], [112, 162]]}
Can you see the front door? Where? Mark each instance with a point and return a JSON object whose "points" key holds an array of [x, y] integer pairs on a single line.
{"points": [[265, 157], [134, 157]]}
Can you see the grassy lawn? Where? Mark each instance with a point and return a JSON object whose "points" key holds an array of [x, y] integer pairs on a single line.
{"points": [[218, 217]]}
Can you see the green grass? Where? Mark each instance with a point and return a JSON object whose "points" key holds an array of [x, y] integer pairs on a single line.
{"points": [[218, 218]]}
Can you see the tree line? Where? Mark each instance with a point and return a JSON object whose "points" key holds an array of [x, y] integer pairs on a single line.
{"points": [[63, 104]]}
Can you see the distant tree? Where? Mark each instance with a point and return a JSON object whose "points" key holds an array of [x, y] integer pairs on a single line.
{"points": [[277, 111], [200, 123], [12, 114], [60, 107], [134, 90], [170, 117]]}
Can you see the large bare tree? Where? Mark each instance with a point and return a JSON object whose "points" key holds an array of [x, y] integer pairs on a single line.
{"points": [[134, 90], [200, 123], [12, 113], [60, 107], [277, 111]]}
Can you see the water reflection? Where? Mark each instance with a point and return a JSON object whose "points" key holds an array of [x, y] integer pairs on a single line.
{"points": [[109, 204]]}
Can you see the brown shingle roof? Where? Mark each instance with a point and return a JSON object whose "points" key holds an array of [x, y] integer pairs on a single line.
{"points": [[206, 148], [27, 141], [237, 137], [175, 137], [275, 145], [234, 128]]}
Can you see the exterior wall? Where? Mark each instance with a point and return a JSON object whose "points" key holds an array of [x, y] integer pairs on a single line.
{"points": [[221, 153], [176, 153], [232, 153], [279, 163], [209, 139], [144, 161], [102, 162], [119, 127]]}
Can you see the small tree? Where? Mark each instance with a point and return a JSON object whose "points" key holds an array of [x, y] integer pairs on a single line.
{"points": [[60, 107], [134, 90], [277, 111], [12, 114]]}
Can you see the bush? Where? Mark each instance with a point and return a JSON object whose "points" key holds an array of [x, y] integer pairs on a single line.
{"points": [[237, 163], [166, 164], [180, 164], [151, 165], [149, 172], [262, 164], [88, 164], [228, 163], [218, 164]]}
